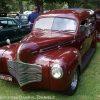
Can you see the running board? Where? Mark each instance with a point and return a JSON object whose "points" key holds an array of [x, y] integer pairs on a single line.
{"points": [[88, 58], [5, 77]]}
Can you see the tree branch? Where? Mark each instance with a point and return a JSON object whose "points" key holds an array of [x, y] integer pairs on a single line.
{"points": [[82, 2]]}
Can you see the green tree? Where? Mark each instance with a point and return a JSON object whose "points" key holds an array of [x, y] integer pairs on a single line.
{"points": [[71, 3], [3, 6], [21, 5]]}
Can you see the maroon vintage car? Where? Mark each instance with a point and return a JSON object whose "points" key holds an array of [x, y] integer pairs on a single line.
{"points": [[54, 54]]}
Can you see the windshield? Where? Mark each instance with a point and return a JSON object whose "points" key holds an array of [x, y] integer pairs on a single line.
{"points": [[60, 24]]}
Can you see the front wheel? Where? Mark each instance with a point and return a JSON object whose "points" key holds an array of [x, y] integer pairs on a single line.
{"points": [[74, 84]]}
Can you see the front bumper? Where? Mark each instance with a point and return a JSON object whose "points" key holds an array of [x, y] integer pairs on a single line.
{"points": [[25, 73]]}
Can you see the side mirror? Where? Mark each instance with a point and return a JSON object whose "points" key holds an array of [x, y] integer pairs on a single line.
{"points": [[82, 28], [8, 41]]}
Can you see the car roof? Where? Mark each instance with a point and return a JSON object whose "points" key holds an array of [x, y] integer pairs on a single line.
{"points": [[2, 18], [22, 14], [77, 13]]}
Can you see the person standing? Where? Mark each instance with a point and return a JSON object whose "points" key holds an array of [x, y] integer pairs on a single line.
{"points": [[17, 16], [33, 16]]}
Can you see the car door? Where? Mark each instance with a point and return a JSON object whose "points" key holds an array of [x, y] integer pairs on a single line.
{"points": [[90, 29], [9, 30], [23, 29], [12, 29], [3, 31], [82, 41], [85, 37]]}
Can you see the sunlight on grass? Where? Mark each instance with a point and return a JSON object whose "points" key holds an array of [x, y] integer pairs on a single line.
{"points": [[88, 89]]}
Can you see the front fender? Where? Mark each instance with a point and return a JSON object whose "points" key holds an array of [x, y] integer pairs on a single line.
{"points": [[68, 59], [2, 50], [7, 52]]}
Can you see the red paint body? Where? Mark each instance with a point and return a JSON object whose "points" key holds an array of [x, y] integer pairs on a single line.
{"points": [[44, 48], [97, 13]]}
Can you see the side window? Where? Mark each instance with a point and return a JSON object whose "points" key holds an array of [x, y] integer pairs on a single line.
{"points": [[11, 24], [84, 22], [91, 21], [88, 22], [3, 24], [83, 25], [23, 17]]}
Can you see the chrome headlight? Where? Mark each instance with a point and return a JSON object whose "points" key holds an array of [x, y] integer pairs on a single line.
{"points": [[56, 71]]}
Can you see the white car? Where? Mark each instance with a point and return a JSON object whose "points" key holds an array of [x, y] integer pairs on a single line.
{"points": [[27, 12]]}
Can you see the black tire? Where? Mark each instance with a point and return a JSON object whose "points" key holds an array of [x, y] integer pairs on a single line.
{"points": [[74, 84]]}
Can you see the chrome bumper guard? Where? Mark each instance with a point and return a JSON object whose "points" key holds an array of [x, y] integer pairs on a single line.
{"points": [[25, 73]]}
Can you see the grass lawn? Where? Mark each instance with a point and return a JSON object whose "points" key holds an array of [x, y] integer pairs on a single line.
{"points": [[88, 89]]}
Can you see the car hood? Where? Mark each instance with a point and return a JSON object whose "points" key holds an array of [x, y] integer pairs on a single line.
{"points": [[39, 42]]}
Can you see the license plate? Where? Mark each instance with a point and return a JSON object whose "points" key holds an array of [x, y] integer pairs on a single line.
{"points": [[6, 77]]}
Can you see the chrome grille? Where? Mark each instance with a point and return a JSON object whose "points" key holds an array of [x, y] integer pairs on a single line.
{"points": [[25, 73]]}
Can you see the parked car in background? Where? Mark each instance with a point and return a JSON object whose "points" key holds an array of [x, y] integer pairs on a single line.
{"points": [[12, 29], [12, 15], [27, 12], [24, 18], [3, 14], [54, 54]]}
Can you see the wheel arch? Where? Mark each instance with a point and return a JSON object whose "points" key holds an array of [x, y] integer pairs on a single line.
{"points": [[69, 59]]}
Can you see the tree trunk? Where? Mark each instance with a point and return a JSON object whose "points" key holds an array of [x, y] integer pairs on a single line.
{"points": [[82, 2], [36, 2], [21, 7], [78, 5], [39, 4]]}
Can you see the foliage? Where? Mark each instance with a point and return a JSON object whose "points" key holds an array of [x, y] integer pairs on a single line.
{"points": [[3, 6], [7, 6], [27, 7], [71, 3], [48, 6], [95, 4], [13, 5]]}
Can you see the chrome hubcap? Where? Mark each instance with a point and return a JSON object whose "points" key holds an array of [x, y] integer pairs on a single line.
{"points": [[74, 80]]}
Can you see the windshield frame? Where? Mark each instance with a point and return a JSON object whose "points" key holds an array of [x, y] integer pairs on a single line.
{"points": [[54, 18]]}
